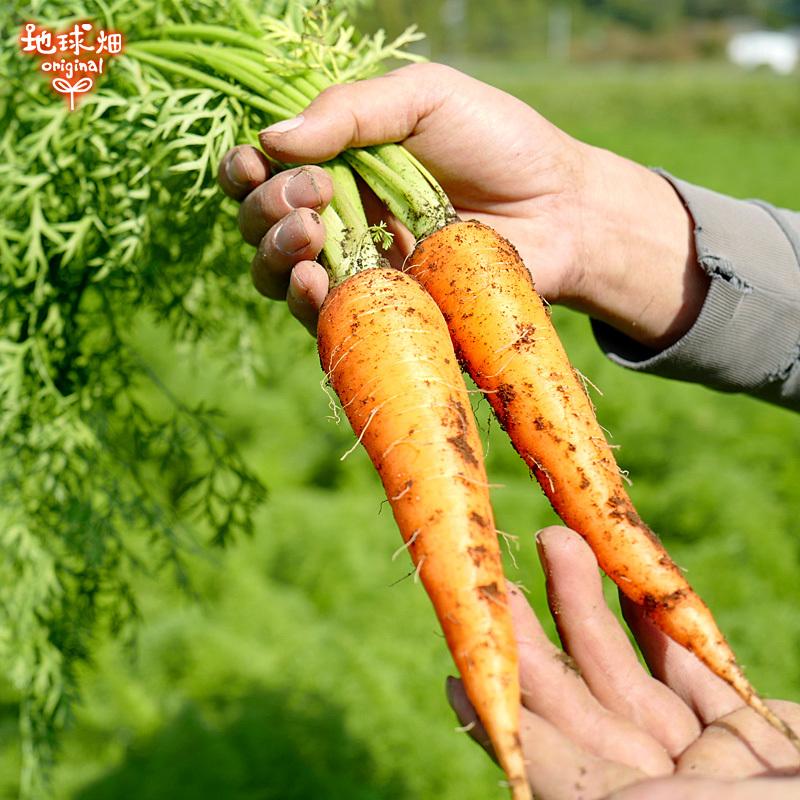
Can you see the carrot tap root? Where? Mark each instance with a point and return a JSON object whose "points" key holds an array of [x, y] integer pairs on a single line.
{"points": [[543, 405], [400, 382]]}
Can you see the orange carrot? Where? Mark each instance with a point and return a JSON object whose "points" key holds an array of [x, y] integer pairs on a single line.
{"points": [[387, 352], [502, 333]]}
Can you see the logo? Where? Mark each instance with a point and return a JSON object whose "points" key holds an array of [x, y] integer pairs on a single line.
{"points": [[71, 59]]}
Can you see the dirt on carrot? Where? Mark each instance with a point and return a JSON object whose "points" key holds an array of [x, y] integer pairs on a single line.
{"points": [[403, 392], [502, 332]]}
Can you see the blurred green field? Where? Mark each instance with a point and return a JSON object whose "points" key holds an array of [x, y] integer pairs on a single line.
{"points": [[305, 663]]}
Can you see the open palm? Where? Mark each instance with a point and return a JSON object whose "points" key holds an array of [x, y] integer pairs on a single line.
{"points": [[596, 724]]}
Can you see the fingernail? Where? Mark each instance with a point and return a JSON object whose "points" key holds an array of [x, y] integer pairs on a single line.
{"points": [[291, 235], [302, 190], [236, 168], [284, 126], [295, 294], [298, 284]]}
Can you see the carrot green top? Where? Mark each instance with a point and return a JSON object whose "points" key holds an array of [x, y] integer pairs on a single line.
{"points": [[110, 221], [278, 66]]}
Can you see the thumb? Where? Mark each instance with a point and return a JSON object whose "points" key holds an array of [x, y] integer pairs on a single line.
{"points": [[373, 111]]}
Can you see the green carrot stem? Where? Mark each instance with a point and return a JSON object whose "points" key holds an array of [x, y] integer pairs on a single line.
{"points": [[408, 190], [319, 81], [256, 50], [405, 193], [248, 59], [211, 33], [201, 78], [348, 244], [334, 256], [215, 33], [232, 66], [397, 155], [304, 84]]}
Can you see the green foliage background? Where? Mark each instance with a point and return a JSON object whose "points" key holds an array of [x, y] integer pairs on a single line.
{"points": [[599, 28], [300, 663]]}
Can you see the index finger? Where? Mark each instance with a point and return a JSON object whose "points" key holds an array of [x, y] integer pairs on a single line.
{"points": [[709, 696], [592, 635], [242, 169]]}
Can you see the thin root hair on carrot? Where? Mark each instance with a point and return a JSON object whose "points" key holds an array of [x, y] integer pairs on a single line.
{"points": [[510, 539], [503, 368], [487, 443], [401, 440], [465, 728], [454, 387], [404, 578], [333, 366], [586, 382], [544, 472], [480, 392], [418, 570], [404, 491], [606, 431], [477, 482], [364, 429], [406, 545], [333, 404]]}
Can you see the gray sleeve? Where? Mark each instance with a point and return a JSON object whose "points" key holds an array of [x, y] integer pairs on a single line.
{"points": [[747, 335]]}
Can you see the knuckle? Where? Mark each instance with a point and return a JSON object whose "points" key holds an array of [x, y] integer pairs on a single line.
{"points": [[236, 179], [242, 221], [245, 227], [332, 94], [428, 71], [258, 212], [222, 173], [266, 282]]}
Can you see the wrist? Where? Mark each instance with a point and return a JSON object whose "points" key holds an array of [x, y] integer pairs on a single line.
{"points": [[636, 266]]}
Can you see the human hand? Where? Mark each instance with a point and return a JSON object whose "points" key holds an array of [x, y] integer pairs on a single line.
{"points": [[598, 232], [596, 725]]}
